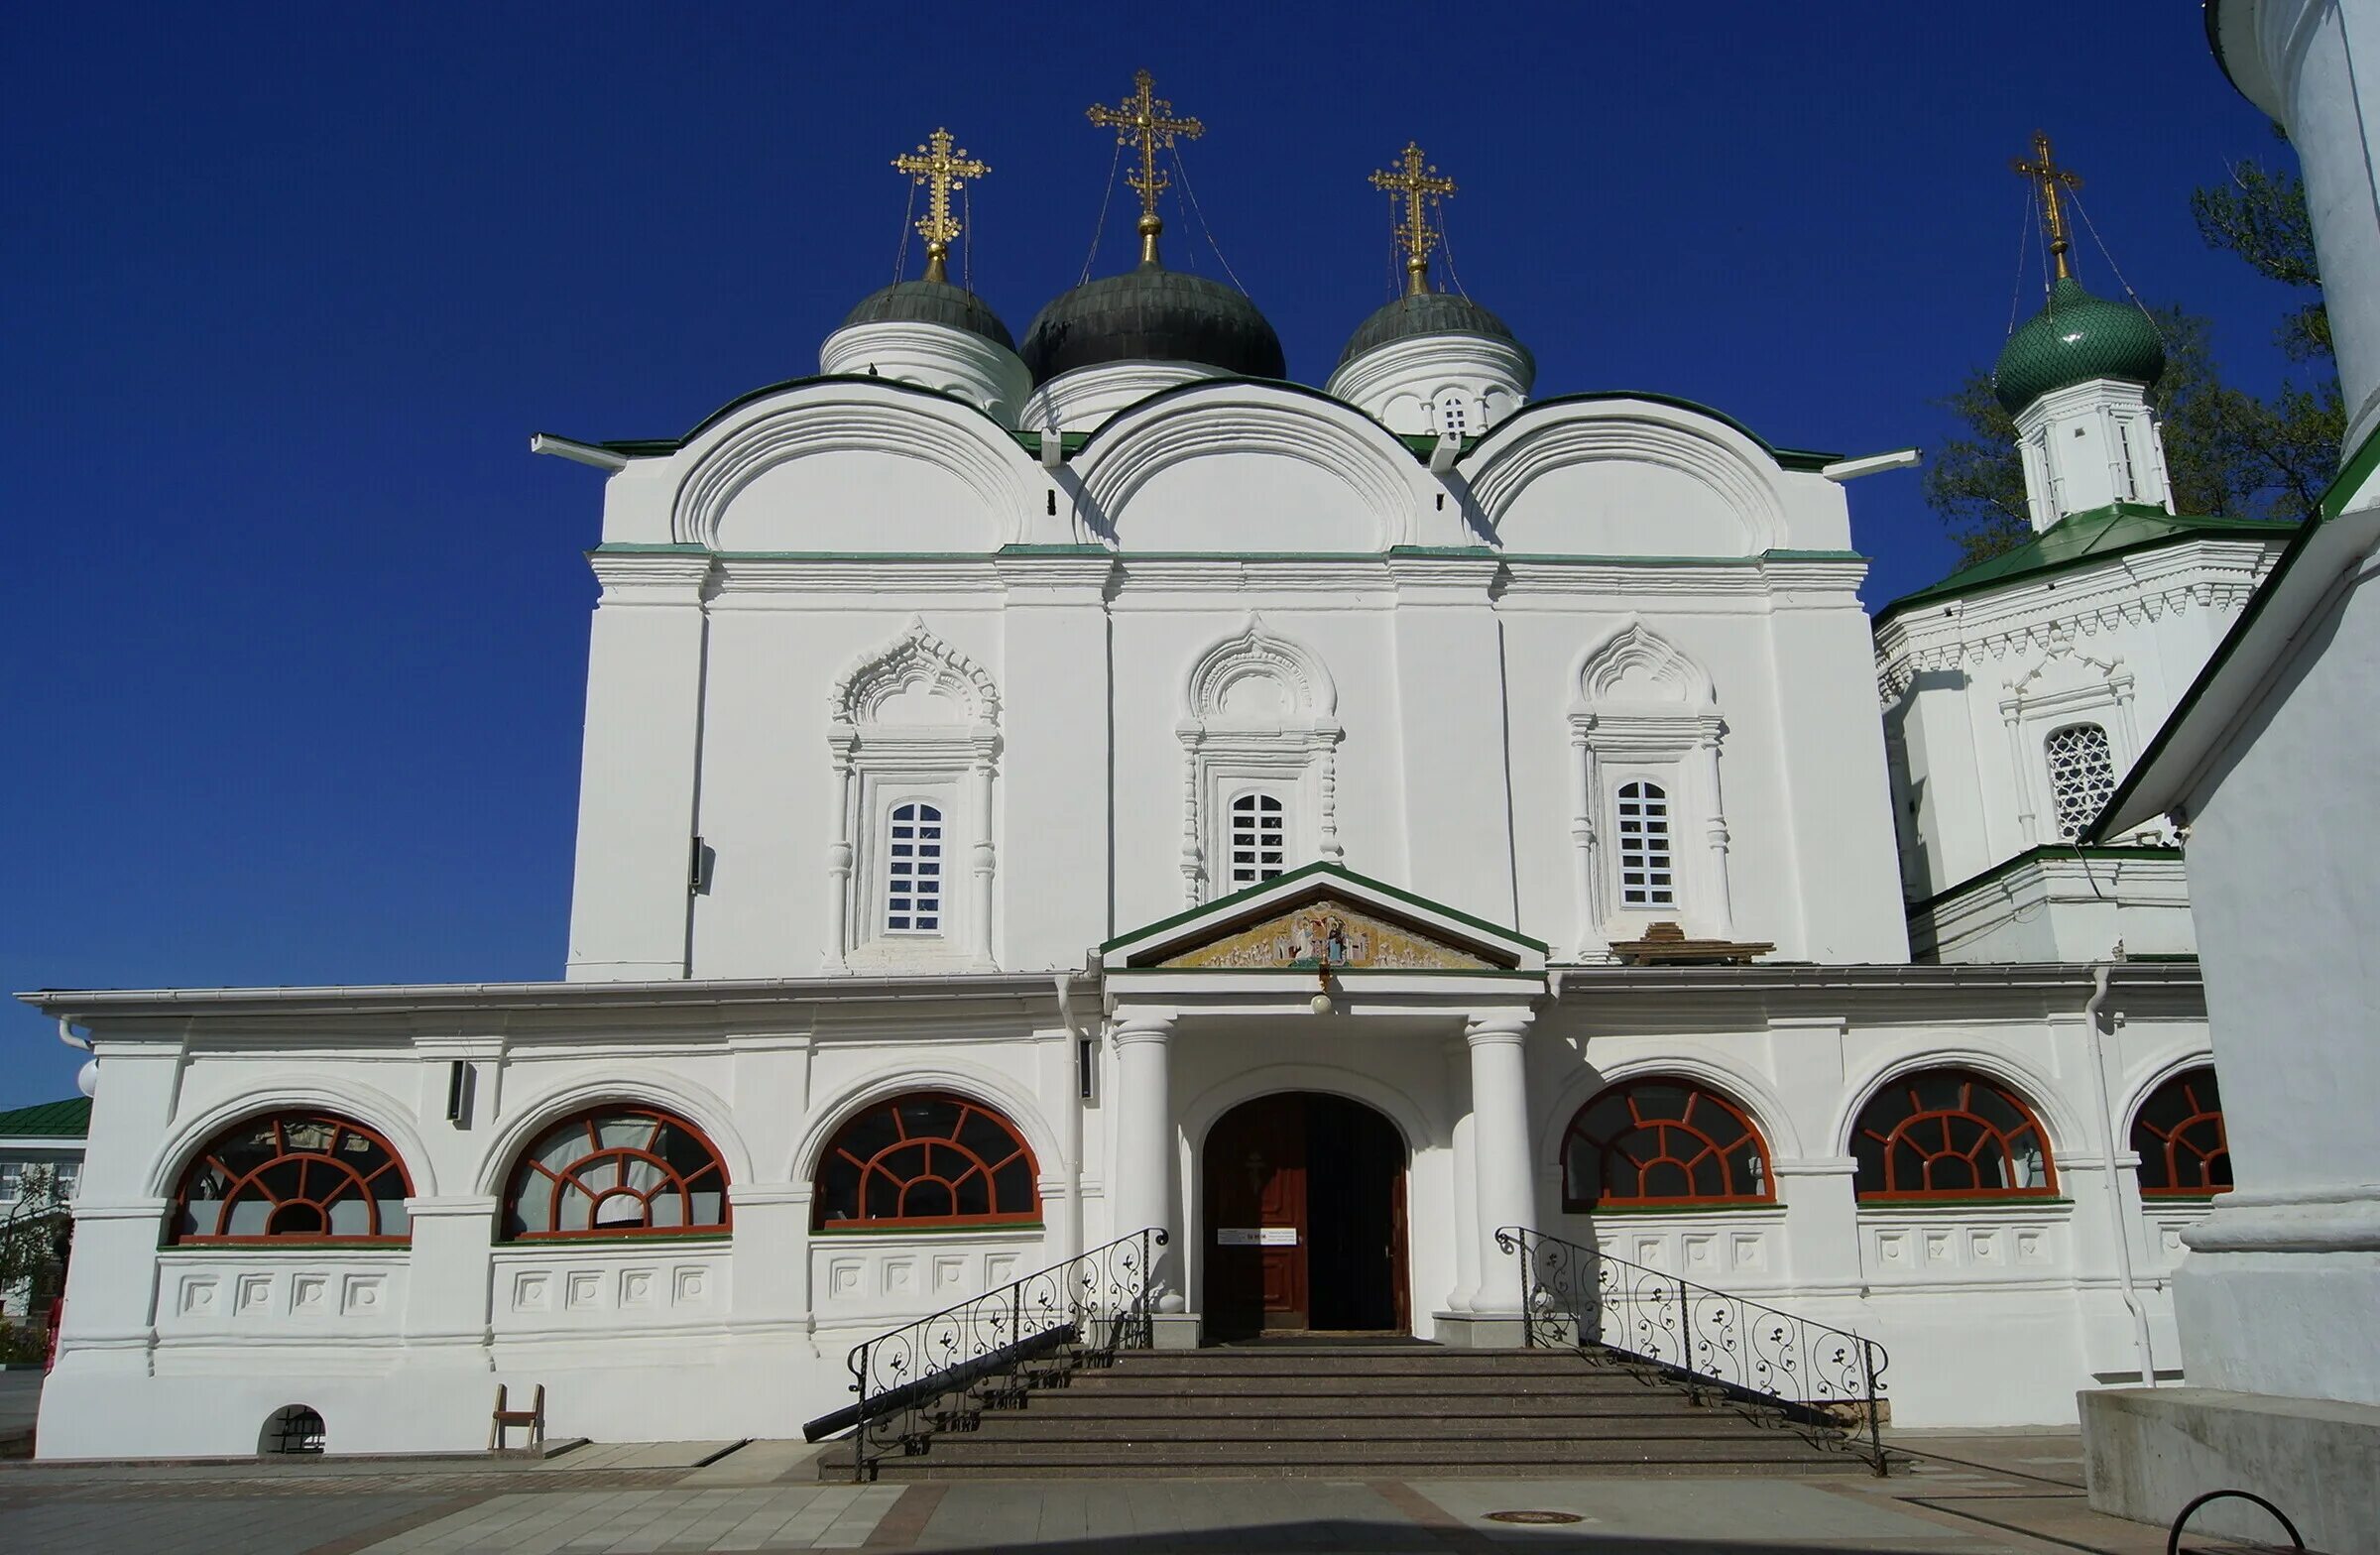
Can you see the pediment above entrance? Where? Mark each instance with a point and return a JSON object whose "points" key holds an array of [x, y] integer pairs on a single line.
{"points": [[1324, 918]]}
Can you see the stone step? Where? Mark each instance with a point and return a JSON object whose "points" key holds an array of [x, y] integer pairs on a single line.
{"points": [[1035, 1425], [1080, 1403], [1120, 1383], [972, 1457]]}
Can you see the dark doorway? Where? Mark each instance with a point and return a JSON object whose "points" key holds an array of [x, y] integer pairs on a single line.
{"points": [[1304, 1219]]}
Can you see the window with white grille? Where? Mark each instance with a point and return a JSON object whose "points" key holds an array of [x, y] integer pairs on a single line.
{"points": [[1646, 877], [1259, 839], [913, 870], [2082, 775], [1451, 417]]}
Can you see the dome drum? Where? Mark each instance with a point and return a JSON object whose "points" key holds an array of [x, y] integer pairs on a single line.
{"points": [[974, 367]]}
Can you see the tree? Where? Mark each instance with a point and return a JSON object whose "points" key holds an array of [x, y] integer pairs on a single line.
{"points": [[2227, 451], [34, 1231]]}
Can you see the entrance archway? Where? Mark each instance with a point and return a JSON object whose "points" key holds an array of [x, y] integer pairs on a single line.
{"points": [[1304, 1212]]}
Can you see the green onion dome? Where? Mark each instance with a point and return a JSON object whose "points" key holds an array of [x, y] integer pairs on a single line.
{"points": [[1428, 313], [932, 302], [1151, 314], [2076, 338]]}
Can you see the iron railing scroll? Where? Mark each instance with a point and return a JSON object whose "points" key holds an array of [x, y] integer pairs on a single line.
{"points": [[1827, 1380], [940, 1372]]}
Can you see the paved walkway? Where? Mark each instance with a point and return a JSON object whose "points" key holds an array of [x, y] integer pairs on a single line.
{"points": [[1991, 1494]]}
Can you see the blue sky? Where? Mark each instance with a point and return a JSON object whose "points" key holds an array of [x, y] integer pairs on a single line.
{"points": [[296, 633]]}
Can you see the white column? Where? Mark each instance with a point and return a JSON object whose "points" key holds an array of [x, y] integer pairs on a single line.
{"points": [[1591, 945], [1143, 1190], [1500, 1142], [839, 855], [1723, 901], [1466, 1193], [984, 859]]}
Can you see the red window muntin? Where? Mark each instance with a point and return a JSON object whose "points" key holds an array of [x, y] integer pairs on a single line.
{"points": [[925, 1160], [1949, 1133], [620, 1169], [2179, 1136], [1662, 1139], [293, 1178]]}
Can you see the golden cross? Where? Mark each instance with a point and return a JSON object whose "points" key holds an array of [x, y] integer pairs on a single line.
{"points": [[2044, 170], [941, 167], [1415, 180], [1147, 121]]}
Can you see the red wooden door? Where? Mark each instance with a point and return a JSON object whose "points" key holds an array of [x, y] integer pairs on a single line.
{"points": [[1255, 1214]]}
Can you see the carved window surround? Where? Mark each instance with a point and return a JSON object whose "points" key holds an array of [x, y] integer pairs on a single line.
{"points": [[916, 720], [1258, 717], [2032, 711]]}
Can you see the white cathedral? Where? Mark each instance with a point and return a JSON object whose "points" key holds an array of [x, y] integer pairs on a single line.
{"points": [[1037, 792]]}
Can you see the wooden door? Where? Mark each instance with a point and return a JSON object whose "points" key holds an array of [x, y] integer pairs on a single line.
{"points": [[1255, 1217]]}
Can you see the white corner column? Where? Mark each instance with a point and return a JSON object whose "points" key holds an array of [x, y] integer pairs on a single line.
{"points": [[1142, 1191], [1504, 1187]]}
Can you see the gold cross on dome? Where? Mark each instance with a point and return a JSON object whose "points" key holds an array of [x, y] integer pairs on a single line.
{"points": [[1416, 181], [2051, 177], [1147, 121], [942, 168]]}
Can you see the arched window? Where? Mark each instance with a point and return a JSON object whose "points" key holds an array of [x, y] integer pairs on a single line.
{"points": [[1646, 877], [2082, 775], [926, 1159], [295, 1177], [1662, 1140], [1950, 1133], [617, 1170], [1259, 839], [913, 870], [2179, 1134]]}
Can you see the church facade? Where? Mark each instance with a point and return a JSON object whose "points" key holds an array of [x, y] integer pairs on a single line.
{"points": [[1037, 792]]}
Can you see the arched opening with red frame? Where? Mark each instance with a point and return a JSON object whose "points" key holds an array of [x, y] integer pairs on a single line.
{"points": [[620, 1169], [925, 1160], [1949, 1133], [2179, 1136], [1662, 1139], [294, 1177]]}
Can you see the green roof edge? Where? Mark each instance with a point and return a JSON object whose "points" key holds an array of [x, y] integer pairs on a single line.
{"points": [[2035, 854], [2357, 469], [2191, 526], [70, 1118]]}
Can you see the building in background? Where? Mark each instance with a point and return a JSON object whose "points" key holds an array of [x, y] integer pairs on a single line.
{"points": [[40, 1160]]}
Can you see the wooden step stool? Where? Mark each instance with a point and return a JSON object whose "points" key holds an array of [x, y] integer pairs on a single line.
{"points": [[534, 1418]]}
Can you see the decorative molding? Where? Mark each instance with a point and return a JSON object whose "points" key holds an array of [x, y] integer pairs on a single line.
{"points": [[1257, 707], [1737, 470], [916, 660]]}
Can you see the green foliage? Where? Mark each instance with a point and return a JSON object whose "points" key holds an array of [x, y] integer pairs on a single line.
{"points": [[33, 1232], [2228, 453], [22, 1342]]}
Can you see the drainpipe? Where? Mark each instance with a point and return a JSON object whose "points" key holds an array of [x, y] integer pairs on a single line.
{"points": [[2091, 1012], [1070, 1121]]}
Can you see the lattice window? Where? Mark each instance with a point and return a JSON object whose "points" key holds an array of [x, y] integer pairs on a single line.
{"points": [[1950, 1133], [1260, 840], [2082, 775], [926, 1159], [619, 1170], [1646, 876], [2179, 1134], [1662, 1142], [1453, 415], [294, 1177], [913, 870]]}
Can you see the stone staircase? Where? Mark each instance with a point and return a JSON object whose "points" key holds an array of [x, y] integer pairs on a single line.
{"points": [[1389, 1411]]}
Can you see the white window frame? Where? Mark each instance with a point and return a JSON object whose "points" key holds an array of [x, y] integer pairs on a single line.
{"points": [[1645, 713], [879, 766], [1291, 754], [2095, 692], [889, 896], [1622, 798], [2085, 811], [1228, 852]]}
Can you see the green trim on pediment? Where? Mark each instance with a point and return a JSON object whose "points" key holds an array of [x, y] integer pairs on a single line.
{"points": [[1245, 907]]}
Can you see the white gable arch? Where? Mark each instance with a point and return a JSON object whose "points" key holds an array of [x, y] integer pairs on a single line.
{"points": [[1627, 478], [1258, 677], [1637, 666], [1244, 467], [914, 679], [846, 466]]}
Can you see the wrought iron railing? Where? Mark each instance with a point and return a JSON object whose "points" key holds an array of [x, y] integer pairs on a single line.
{"points": [[1827, 1380], [940, 1372]]}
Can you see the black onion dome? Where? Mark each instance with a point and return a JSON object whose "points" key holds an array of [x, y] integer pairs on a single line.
{"points": [[1429, 314], [932, 302], [1153, 314]]}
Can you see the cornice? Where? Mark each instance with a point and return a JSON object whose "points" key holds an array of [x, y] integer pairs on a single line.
{"points": [[2206, 574]]}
